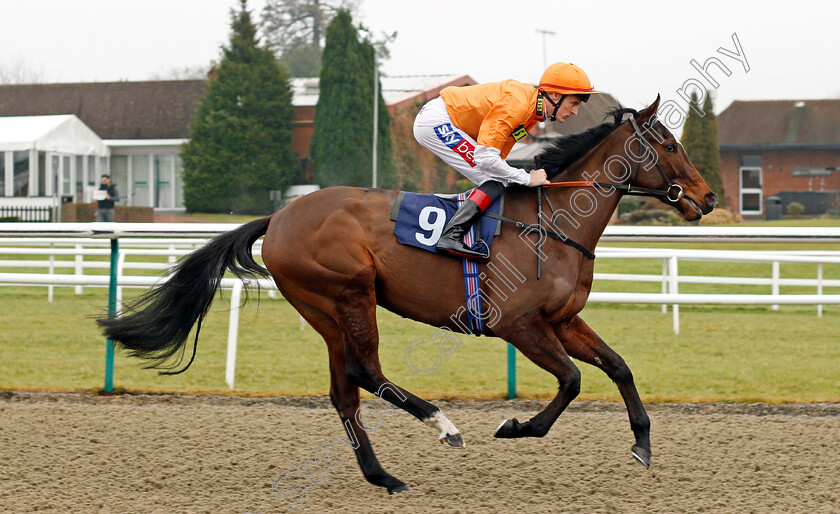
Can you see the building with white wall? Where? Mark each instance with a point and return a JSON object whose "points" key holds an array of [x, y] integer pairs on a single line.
{"points": [[139, 128], [49, 156]]}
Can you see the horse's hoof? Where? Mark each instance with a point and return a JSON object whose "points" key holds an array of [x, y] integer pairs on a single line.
{"points": [[507, 429], [642, 455], [453, 441], [402, 488]]}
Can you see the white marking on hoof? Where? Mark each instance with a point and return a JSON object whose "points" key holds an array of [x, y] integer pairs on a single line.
{"points": [[640, 459], [443, 424], [499, 427]]}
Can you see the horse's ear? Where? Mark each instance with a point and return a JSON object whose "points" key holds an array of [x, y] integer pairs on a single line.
{"points": [[649, 111]]}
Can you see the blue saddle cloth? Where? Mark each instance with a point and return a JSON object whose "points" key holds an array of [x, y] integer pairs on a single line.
{"points": [[420, 219]]}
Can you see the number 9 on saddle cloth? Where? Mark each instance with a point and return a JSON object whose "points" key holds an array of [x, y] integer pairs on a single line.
{"points": [[420, 220]]}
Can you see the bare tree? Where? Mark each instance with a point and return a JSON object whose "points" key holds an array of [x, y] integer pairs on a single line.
{"points": [[198, 71], [18, 70], [287, 24], [380, 42]]}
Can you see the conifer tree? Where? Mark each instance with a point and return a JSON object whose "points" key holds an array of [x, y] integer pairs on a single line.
{"points": [[341, 146], [240, 137], [711, 171], [700, 140]]}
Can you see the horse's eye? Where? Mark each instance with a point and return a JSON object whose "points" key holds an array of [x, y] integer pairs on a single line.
{"points": [[671, 148]]}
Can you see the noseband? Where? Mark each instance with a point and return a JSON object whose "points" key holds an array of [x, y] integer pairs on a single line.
{"points": [[673, 192]]}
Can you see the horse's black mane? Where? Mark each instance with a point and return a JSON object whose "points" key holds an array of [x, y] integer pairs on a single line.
{"points": [[565, 150]]}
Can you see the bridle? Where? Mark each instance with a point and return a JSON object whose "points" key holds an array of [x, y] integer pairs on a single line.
{"points": [[673, 192]]}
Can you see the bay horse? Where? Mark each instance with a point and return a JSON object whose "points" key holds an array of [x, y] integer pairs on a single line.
{"points": [[334, 257]]}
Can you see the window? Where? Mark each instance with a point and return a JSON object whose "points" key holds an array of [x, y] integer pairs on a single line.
{"points": [[751, 178], [141, 187], [2, 173], [750, 202], [179, 181], [20, 180], [65, 182], [119, 176], [80, 177], [165, 181], [42, 174], [750, 190]]}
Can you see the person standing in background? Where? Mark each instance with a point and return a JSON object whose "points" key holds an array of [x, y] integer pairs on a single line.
{"points": [[107, 195]]}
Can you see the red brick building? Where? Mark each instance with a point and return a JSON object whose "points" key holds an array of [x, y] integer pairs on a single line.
{"points": [[783, 148]]}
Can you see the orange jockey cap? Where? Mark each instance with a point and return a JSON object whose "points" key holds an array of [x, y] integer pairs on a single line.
{"points": [[567, 79]]}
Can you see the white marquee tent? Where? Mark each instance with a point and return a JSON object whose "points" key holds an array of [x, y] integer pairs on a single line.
{"points": [[49, 156]]}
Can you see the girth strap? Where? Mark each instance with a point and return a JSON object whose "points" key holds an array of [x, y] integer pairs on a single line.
{"points": [[553, 235]]}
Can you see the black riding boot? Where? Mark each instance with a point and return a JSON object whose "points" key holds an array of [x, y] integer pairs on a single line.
{"points": [[452, 239]]}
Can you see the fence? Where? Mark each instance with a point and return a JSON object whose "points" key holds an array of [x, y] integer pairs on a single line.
{"points": [[172, 249], [14, 213], [670, 278], [34, 209], [179, 239]]}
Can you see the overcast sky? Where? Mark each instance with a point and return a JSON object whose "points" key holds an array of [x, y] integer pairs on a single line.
{"points": [[633, 50]]}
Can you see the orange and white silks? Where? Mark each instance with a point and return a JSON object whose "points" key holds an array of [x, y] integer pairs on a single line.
{"points": [[473, 128], [491, 112]]}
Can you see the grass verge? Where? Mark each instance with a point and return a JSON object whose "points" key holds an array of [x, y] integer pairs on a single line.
{"points": [[723, 354]]}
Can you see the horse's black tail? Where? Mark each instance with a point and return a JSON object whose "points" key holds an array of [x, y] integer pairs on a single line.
{"points": [[156, 326]]}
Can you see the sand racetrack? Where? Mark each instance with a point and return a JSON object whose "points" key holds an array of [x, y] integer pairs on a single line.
{"points": [[143, 453]]}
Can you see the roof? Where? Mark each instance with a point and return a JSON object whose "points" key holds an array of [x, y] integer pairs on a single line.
{"points": [[780, 124], [163, 109], [406, 88], [62, 133], [113, 110]]}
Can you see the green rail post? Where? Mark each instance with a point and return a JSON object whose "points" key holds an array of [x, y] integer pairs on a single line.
{"points": [[112, 312], [511, 371]]}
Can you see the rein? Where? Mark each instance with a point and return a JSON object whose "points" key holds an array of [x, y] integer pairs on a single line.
{"points": [[673, 193], [627, 188]]}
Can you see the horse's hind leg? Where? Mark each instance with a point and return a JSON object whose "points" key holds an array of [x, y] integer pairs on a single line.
{"points": [[345, 399], [582, 343], [356, 307], [536, 340]]}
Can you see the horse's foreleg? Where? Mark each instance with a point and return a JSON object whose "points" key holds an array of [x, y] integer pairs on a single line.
{"points": [[582, 343], [536, 340], [356, 308]]}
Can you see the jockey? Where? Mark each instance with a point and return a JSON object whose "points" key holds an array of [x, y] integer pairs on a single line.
{"points": [[473, 128]]}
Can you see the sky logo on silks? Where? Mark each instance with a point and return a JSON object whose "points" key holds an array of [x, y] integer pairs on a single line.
{"points": [[456, 141]]}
